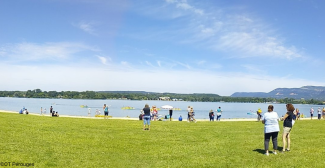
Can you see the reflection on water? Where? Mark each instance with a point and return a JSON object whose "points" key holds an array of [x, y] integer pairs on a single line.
{"points": [[73, 107]]}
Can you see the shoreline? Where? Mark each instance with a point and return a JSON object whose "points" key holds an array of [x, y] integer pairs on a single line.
{"points": [[129, 118]]}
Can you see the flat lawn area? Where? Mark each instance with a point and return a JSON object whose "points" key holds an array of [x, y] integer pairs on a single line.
{"points": [[75, 142]]}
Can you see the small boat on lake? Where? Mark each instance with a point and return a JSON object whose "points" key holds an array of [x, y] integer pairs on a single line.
{"points": [[83, 106], [127, 108]]}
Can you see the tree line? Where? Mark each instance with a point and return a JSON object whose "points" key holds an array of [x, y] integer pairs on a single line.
{"points": [[196, 97]]}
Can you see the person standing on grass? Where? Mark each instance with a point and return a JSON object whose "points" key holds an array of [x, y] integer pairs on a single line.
{"points": [[105, 108], [271, 129], [219, 112], [319, 112], [287, 126], [311, 113], [146, 117]]}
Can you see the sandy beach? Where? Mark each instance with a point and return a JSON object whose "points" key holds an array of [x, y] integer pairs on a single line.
{"points": [[129, 118]]}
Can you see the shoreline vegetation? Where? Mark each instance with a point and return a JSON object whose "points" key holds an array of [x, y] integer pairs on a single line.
{"points": [[134, 95], [75, 142]]}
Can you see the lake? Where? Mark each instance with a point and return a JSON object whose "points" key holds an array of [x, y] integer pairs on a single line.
{"points": [[73, 107]]}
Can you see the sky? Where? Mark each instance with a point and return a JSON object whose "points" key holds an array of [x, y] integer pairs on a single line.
{"points": [[178, 46]]}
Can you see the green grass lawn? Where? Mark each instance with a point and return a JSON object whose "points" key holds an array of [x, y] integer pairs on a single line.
{"points": [[73, 142]]}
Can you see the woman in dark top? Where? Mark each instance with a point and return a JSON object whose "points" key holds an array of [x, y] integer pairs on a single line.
{"points": [[211, 115], [146, 117], [287, 126]]}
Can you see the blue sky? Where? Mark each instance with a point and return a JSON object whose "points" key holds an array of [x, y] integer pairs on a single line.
{"points": [[180, 46]]}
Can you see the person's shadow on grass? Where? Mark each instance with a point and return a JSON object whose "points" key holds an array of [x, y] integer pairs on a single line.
{"points": [[262, 151]]}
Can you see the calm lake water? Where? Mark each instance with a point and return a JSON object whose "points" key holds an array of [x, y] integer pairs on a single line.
{"points": [[72, 107]]}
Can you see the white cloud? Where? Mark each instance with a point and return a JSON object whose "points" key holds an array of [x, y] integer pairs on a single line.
{"points": [[104, 60], [87, 27], [183, 4], [184, 65], [159, 63], [229, 32], [148, 63], [201, 62], [256, 44], [34, 51]]}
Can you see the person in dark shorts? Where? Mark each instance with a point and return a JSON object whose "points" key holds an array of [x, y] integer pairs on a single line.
{"points": [[105, 108]]}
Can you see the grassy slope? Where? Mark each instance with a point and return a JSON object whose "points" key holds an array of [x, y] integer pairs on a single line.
{"points": [[70, 142]]}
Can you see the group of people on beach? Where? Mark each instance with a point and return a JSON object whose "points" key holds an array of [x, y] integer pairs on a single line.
{"points": [[52, 112], [147, 114], [154, 114], [23, 111], [320, 113]]}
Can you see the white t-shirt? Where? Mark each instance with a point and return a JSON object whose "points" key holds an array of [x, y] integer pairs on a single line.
{"points": [[271, 122]]}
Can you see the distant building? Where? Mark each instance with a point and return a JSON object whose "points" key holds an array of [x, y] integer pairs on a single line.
{"points": [[164, 98]]}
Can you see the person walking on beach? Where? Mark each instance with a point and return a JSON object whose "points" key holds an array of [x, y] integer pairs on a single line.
{"points": [[188, 113], [323, 112], [41, 111], [271, 129], [51, 110], [319, 112], [219, 112], [211, 115], [105, 108], [297, 114], [154, 113], [89, 112], [146, 117], [170, 114], [259, 114], [311, 113], [287, 126], [192, 115]]}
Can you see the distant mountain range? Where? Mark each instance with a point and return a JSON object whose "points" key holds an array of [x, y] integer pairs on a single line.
{"points": [[305, 92]]}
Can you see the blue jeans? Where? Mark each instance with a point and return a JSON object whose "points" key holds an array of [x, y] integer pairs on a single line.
{"points": [[218, 117], [146, 120]]}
